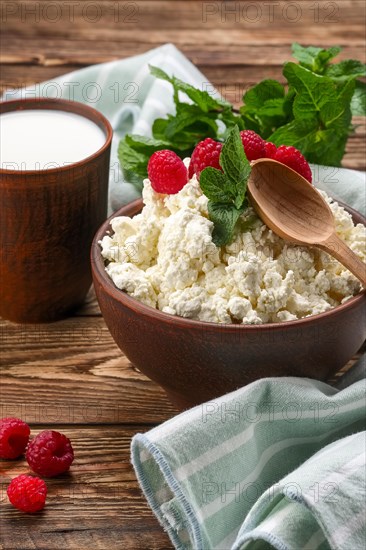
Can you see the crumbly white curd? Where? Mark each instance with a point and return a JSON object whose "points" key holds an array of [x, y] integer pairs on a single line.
{"points": [[165, 258]]}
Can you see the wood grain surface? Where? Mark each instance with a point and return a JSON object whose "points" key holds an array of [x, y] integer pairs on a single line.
{"points": [[70, 375]]}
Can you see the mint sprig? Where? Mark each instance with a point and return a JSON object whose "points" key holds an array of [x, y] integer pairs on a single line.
{"points": [[226, 190], [313, 112], [202, 99]]}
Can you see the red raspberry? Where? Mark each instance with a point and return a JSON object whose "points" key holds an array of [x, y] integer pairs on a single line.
{"points": [[253, 145], [206, 153], [167, 172], [270, 149], [27, 493], [14, 435], [50, 453], [294, 159]]}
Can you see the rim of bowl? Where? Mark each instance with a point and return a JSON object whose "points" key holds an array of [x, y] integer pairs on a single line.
{"points": [[68, 106], [106, 282]]}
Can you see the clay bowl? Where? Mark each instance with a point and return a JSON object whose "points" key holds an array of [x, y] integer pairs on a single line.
{"points": [[195, 362]]}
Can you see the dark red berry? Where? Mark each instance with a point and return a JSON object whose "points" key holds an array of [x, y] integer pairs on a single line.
{"points": [[206, 153], [14, 436], [270, 149], [253, 145], [50, 453], [293, 159], [27, 493], [167, 172]]}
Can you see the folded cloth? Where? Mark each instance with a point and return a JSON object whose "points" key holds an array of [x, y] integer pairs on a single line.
{"points": [[329, 505], [126, 93], [279, 463]]}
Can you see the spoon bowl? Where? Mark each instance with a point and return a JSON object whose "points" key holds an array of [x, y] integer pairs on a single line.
{"points": [[290, 206]]}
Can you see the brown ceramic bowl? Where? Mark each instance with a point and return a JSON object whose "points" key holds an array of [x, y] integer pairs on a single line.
{"points": [[195, 361]]}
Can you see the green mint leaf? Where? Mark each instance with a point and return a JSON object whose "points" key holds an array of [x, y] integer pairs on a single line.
{"points": [[162, 75], [233, 160], [187, 115], [230, 119], [313, 91], [299, 133], [264, 107], [185, 141], [314, 59], [132, 160], [203, 99], [319, 146], [358, 101], [322, 115], [145, 145], [265, 119], [349, 68], [239, 201], [224, 217], [262, 92], [226, 191], [159, 73], [216, 186], [272, 108], [159, 128], [332, 147], [271, 115], [337, 114]]}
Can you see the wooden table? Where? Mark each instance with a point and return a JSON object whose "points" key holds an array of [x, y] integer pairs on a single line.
{"points": [[70, 375]]}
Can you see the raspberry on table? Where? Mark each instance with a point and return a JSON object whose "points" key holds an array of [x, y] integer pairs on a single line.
{"points": [[50, 453], [270, 149], [27, 493], [253, 145], [292, 157], [206, 153], [14, 436], [167, 172]]}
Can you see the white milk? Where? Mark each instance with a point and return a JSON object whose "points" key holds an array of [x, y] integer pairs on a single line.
{"points": [[40, 139]]}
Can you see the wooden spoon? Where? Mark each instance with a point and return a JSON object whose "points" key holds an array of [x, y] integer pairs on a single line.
{"points": [[296, 211]]}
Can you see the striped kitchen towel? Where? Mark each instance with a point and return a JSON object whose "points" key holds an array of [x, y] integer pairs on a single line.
{"points": [[277, 464], [131, 99]]}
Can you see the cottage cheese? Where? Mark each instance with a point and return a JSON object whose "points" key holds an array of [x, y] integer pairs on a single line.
{"points": [[165, 258]]}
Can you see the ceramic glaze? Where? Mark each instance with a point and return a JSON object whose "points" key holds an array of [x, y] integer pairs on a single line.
{"points": [[38, 139]]}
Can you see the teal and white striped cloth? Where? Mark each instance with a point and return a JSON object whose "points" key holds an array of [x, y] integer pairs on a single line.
{"points": [[277, 464]]}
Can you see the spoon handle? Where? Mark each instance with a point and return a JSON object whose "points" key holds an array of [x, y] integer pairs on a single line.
{"points": [[342, 252]]}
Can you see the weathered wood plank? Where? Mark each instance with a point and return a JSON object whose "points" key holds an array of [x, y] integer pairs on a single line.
{"points": [[81, 537], [61, 51], [247, 75], [342, 35], [97, 504], [206, 15], [73, 372]]}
